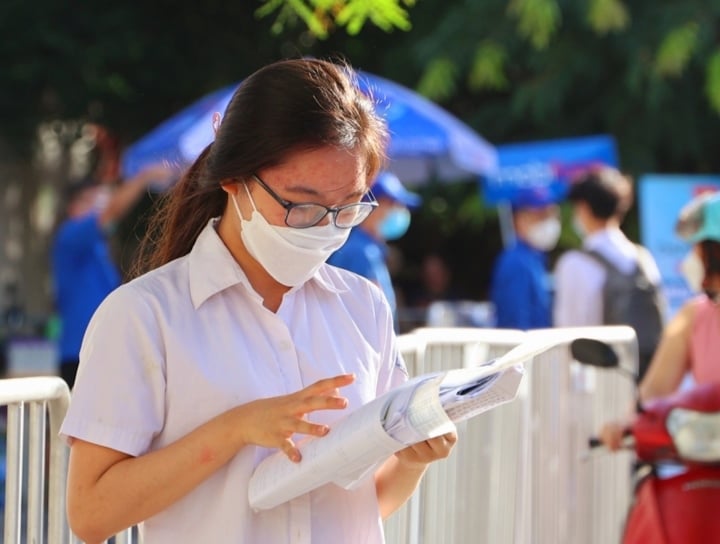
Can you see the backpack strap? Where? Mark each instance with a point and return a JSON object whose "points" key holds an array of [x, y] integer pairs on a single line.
{"points": [[644, 257], [600, 258], [640, 260]]}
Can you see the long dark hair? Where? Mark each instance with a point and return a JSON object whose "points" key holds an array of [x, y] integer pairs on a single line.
{"points": [[287, 106], [710, 251]]}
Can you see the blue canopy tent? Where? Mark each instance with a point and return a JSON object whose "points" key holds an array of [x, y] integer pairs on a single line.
{"points": [[426, 142], [547, 165]]}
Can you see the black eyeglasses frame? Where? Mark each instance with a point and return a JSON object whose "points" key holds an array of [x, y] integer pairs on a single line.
{"points": [[333, 211]]}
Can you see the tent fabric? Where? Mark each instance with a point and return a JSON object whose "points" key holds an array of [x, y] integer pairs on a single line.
{"points": [[426, 141]]}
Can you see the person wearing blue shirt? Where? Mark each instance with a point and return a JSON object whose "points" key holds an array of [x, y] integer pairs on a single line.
{"points": [[521, 289], [366, 250], [83, 272]]}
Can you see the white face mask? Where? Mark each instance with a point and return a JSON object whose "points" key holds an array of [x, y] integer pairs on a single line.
{"points": [[291, 256], [545, 234], [693, 271]]}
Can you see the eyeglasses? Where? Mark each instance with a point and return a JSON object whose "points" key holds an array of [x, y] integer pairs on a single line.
{"points": [[308, 214]]}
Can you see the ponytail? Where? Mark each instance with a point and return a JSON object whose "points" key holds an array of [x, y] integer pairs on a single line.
{"points": [[182, 214]]}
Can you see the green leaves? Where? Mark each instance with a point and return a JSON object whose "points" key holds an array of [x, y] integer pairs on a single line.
{"points": [[676, 50], [385, 14], [537, 20], [320, 16], [712, 80], [289, 11], [607, 16], [439, 81], [488, 67]]}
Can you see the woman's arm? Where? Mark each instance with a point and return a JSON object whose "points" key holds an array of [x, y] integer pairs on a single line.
{"points": [[671, 359], [397, 478], [109, 491], [129, 192], [666, 371]]}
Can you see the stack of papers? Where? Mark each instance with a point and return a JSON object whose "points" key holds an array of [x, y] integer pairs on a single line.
{"points": [[424, 407]]}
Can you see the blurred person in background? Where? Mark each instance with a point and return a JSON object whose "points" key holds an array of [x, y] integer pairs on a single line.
{"points": [[521, 286], [366, 250], [436, 281], [691, 340], [83, 271], [600, 199]]}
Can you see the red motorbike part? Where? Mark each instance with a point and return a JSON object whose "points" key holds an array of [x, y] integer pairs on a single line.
{"points": [[682, 509], [652, 440]]}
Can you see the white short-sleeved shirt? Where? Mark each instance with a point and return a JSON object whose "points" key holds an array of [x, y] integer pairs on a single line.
{"points": [[579, 279], [170, 350]]}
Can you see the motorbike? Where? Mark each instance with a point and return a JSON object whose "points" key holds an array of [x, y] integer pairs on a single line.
{"points": [[676, 440]]}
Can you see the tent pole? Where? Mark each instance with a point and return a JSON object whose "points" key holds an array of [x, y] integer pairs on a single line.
{"points": [[507, 230]]}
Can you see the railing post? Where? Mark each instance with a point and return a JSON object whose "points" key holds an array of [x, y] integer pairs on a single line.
{"points": [[36, 472]]}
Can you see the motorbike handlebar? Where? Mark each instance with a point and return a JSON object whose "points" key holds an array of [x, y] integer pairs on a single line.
{"points": [[594, 442]]}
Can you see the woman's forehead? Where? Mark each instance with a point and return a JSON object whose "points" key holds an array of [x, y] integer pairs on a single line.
{"points": [[325, 171]]}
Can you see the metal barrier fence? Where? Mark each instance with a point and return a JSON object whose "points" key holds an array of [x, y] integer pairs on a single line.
{"points": [[40, 404], [572, 498], [445, 508], [36, 462], [516, 475]]}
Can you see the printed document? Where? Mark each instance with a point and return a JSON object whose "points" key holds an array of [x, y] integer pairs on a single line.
{"points": [[424, 407]]}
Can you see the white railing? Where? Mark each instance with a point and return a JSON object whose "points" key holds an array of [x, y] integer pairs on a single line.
{"points": [[36, 462], [516, 475], [572, 499], [40, 403]]}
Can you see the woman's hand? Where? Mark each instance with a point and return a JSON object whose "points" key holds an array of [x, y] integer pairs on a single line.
{"points": [[611, 434], [423, 453], [399, 476], [271, 422]]}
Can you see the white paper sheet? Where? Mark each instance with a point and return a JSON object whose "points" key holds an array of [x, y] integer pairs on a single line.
{"points": [[423, 408]]}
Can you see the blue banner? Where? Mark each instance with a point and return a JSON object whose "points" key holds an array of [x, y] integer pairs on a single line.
{"points": [[545, 165], [660, 199]]}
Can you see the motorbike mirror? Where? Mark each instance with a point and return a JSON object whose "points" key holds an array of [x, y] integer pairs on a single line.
{"points": [[594, 352]]}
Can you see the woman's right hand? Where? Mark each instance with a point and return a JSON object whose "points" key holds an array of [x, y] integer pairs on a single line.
{"points": [[272, 421], [611, 434]]}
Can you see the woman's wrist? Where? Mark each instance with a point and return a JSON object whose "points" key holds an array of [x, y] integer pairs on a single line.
{"points": [[407, 464]]}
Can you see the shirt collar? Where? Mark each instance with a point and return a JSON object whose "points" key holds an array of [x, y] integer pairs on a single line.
{"points": [[212, 269], [602, 237]]}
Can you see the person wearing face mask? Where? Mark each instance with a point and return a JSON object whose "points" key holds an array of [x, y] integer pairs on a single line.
{"points": [[83, 272], [366, 250], [520, 287], [600, 198], [235, 339], [690, 341]]}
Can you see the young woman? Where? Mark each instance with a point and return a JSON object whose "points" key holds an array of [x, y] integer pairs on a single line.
{"points": [[691, 340], [238, 338]]}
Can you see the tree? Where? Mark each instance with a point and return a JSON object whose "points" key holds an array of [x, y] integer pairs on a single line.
{"points": [[533, 69], [526, 69], [514, 70]]}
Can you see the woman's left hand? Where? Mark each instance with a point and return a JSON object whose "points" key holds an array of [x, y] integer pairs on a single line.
{"points": [[426, 452]]}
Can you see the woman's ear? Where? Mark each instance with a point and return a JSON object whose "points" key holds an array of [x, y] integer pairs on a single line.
{"points": [[231, 186]]}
